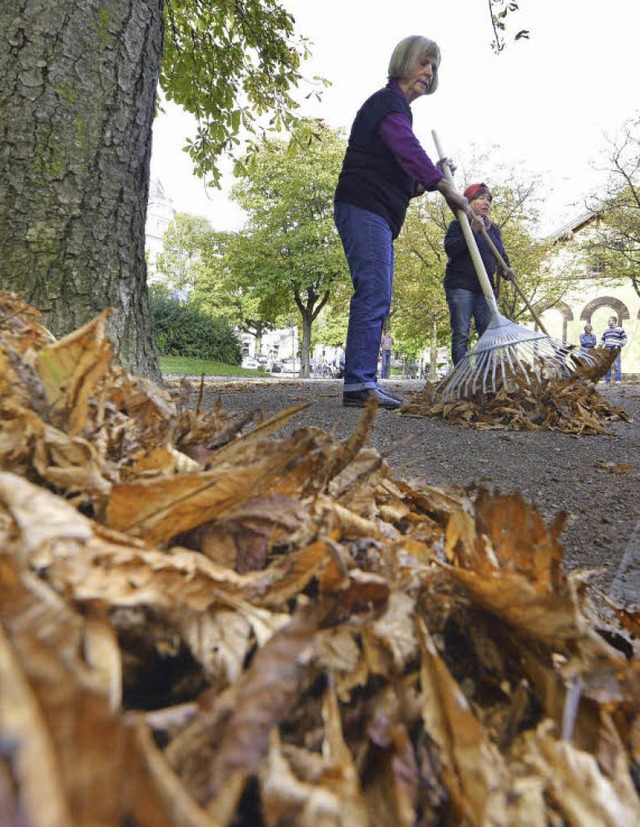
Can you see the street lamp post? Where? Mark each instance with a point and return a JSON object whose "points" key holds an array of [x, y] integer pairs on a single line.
{"points": [[293, 345]]}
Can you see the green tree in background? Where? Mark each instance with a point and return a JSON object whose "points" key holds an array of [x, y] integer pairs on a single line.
{"points": [[616, 244], [186, 251], [78, 87], [289, 257], [195, 259], [419, 314], [230, 64], [515, 210]]}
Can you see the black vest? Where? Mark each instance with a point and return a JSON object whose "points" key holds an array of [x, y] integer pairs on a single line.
{"points": [[370, 176]]}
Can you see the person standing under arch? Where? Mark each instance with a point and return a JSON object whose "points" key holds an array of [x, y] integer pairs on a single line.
{"points": [[588, 339], [614, 336]]}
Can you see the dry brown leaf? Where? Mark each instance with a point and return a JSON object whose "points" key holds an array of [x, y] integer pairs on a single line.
{"points": [[163, 799], [337, 650], [296, 689], [395, 627], [265, 692], [392, 775], [23, 725], [71, 370], [515, 599], [19, 326], [70, 753], [244, 537], [603, 357], [284, 795], [342, 778], [158, 509], [568, 405], [473, 770], [581, 792]]}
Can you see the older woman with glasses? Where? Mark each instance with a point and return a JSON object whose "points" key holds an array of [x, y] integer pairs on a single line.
{"points": [[383, 168]]}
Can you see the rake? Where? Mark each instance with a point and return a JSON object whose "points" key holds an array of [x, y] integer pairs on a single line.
{"points": [[505, 351]]}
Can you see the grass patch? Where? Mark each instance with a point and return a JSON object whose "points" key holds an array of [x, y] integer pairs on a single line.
{"points": [[188, 366]]}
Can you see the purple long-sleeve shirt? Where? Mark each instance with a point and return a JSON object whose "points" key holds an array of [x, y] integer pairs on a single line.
{"points": [[397, 134]]}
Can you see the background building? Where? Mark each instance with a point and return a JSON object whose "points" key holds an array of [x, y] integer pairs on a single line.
{"points": [[592, 296], [160, 214]]}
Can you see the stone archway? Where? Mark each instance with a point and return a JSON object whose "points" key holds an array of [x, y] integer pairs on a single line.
{"points": [[565, 311], [618, 307]]}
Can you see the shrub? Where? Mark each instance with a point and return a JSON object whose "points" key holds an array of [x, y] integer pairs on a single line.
{"points": [[181, 330]]}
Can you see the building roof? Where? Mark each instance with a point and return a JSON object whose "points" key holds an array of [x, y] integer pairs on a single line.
{"points": [[579, 223], [156, 190]]}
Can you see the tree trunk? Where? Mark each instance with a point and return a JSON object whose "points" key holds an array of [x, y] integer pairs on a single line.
{"points": [[78, 81], [433, 350], [309, 311], [305, 344], [258, 343]]}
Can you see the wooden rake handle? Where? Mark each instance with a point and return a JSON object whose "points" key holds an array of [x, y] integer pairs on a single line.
{"points": [[514, 281]]}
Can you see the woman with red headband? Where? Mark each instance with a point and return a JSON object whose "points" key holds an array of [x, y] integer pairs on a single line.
{"points": [[464, 294]]}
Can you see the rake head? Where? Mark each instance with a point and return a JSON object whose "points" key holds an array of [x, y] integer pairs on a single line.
{"points": [[505, 351]]}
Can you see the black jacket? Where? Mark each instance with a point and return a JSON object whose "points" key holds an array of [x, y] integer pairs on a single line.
{"points": [[460, 272]]}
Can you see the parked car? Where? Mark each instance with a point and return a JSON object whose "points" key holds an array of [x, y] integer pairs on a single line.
{"points": [[250, 363], [288, 365]]}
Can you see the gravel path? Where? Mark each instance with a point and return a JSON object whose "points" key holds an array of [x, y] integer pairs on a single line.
{"points": [[594, 479]]}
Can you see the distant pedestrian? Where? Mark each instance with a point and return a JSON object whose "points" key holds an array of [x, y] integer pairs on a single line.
{"points": [[614, 336], [588, 339], [338, 362], [386, 347]]}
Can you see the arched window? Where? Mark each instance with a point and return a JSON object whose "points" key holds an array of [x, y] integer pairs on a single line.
{"points": [[564, 310], [619, 308]]}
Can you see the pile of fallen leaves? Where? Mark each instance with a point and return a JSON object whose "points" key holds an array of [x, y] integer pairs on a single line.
{"points": [[572, 405], [205, 623]]}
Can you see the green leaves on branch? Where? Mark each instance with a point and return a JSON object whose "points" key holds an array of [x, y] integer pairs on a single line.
{"points": [[188, 252], [616, 242], [290, 247], [498, 21], [229, 63], [289, 258]]}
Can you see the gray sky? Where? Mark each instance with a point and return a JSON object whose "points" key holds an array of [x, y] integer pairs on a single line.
{"points": [[546, 103]]}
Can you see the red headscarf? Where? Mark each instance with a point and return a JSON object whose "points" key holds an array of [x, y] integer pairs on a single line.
{"points": [[476, 190]]}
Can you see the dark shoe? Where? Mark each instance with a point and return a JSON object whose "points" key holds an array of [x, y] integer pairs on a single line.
{"points": [[393, 396], [358, 399]]}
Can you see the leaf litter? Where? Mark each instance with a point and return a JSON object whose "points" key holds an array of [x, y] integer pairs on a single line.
{"points": [[203, 622], [571, 405]]}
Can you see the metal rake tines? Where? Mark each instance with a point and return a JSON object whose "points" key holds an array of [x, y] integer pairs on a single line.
{"points": [[492, 365], [507, 336]]}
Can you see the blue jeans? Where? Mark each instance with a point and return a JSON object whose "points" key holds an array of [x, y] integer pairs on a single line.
{"points": [[385, 364], [368, 246], [617, 370], [463, 306]]}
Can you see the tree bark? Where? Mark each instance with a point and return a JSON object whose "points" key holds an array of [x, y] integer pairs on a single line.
{"points": [[309, 311], [78, 81]]}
